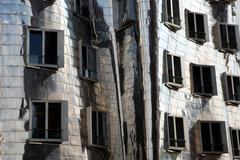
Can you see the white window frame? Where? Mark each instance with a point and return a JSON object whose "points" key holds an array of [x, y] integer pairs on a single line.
{"points": [[185, 130], [236, 35], [226, 89], [224, 138], [174, 84], [87, 76], [89, 111], [172, 25], [238, 142], [205, 20], [213, 78], [64, 121], [60, 49]]}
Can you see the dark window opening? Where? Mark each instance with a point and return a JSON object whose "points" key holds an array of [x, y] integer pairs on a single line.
{"points": [[235, 136], [89, 62], [196, 26], [82, 8], [43, 47], [228, 37], [46, 120], [99, 128], [233, 87], [174, 70], [212, 137], [172, 13], [204, 81], [176, 132]]}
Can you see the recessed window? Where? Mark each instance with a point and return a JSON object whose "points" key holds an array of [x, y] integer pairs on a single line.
{"points": [[171, 14], [229, 35], [197, 28], [88, 61], [235, 136], [173, 71], [97, 127], [231, 86], [48, 121], [213, 137], [46, 48], [81, 7], [203, 80], [176, 137]]}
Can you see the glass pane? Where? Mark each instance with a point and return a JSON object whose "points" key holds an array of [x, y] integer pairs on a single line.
{"points": [[38, 120], [207, 79], [170, 69], [177, 69], [205, 134], [171, 132], [102, 128], [235, 143], [232, 37], [230, 91], [217, 137], [92, 63], [84, 61], [191, 27], [223, 32], [169, 11], [35, 48], [78, 6], [54, 120], [180, 132], [176, 12], [236, 88], [200, 26], [197, 79], [51, 48], [94, 128]]}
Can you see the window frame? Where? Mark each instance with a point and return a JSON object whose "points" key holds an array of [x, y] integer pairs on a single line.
{"points": [[88, 77], [167, 82], [213, 80], [64, 121], [236, 30], [174, 148], [238, 141], [89, 111], [167, 22], [226, 89], [206, 30], [60, 49], [224, 138]]}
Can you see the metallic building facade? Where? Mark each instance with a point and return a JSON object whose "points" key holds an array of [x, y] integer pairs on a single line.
{"points": [[119, 79]]}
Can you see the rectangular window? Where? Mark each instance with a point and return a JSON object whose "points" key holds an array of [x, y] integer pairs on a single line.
{"points": [[46, 48], [88, 61], [204, 80], [235, 136], [97, 127], [213, 137], [173, 71], [47, 121], [197, 28], [81, 7], [172, 15], [176, 137], [231, 86], [229, 37]]}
